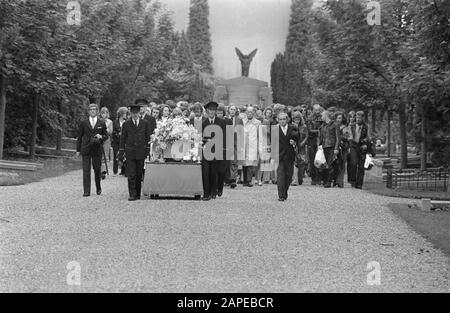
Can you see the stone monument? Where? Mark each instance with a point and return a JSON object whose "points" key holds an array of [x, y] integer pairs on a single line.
{"points": [[244, 90]]}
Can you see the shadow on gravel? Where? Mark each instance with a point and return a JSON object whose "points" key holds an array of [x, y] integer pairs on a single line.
{"points": [[433, 225], [169, 198]]}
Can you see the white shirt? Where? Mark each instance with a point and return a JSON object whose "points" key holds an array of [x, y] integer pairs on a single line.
{"points": [[93, 121], [136, 122], [284, 129], [211, 120]]}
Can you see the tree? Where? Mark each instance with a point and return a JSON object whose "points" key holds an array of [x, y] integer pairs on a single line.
{"points": [[290, 69], [199, 35]]}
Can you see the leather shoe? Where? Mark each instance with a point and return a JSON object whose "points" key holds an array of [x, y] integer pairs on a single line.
{"points": [[138, 197], [99, 192], [281, 199], [233, 185], [132, 199], [206, 198], [86, 194], [219, 194]]}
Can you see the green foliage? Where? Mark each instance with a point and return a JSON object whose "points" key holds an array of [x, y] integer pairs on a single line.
{"points": [[123, 49], [199, 35], [289, 71]]}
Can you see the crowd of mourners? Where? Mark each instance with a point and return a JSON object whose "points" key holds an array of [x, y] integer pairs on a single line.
{"points": [[343, 137]]}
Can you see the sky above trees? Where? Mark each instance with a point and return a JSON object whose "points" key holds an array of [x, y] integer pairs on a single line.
{"points": [[248, 24]]}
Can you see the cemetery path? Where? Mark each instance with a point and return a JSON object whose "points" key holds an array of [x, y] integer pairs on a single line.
{"points": [[320, 240]]}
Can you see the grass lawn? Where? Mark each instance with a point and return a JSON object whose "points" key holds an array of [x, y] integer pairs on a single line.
{"points": [[433, 225], [52, 167]]}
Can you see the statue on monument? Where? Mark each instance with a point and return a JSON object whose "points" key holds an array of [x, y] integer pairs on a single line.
{"points": [[245, 60]]}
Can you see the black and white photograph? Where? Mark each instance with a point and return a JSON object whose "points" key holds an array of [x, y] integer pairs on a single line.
{"points": [[203, 148]]}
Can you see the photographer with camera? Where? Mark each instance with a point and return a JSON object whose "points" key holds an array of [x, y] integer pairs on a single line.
{"points": [[92, 134]]}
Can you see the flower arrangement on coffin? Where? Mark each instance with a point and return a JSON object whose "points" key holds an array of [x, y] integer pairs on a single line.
{"points": [[176, 133]]}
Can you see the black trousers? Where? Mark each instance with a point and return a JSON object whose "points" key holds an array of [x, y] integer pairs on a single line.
{"points": [[248, 172], [134, 170], [223, 172], [313, 171], [356, 170], [285, 171], [115, 161], [210, 178], [327, 174], [96, 162], [301, 172]]}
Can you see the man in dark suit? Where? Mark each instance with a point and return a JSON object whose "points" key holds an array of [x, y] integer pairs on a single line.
{"points": [[235, 121], [212, 161], [92, 133], [288, 137], [224, 165], [134, 146], [359, 146]]}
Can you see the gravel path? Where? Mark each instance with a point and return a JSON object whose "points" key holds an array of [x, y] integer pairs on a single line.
{"points": [[319, 240]]}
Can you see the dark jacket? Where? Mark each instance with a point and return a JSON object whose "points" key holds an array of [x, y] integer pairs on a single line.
{"points": [[115, 137], [86, 145], [197, 125], [286, 150], [151, 123], [134, 140], [364, 139], [313, 123], [329, 136], [237, 121], [222, 124]]}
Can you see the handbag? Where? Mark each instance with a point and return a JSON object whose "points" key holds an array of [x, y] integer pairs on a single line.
{"points": [[368, 164], [319, 160]]}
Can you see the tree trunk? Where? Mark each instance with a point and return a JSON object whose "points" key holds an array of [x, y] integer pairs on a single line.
{"points": [[2, 113], [389, 118], [423, 143], [403, 141], [374, 121], [34, 126], [59, 131]]}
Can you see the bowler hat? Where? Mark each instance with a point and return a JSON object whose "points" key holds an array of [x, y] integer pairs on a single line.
{"points": [[211, 105]]}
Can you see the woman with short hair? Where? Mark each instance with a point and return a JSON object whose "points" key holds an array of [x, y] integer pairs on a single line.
{"points": [[104, 116]]}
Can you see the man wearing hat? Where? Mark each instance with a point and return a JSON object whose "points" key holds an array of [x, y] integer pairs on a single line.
{"points": [[211, 161], [92, 134], [146, 115], [134, 146]]}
